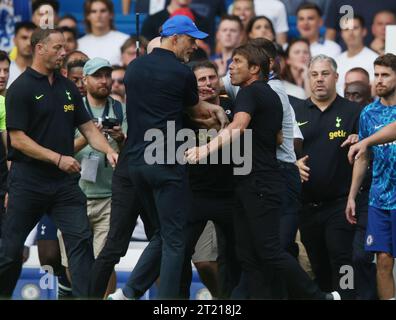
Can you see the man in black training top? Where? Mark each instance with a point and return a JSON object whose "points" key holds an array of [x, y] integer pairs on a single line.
{"points": [[43, 110]]}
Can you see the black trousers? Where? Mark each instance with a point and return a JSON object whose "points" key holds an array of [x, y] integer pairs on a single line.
{"points": [[257, 226], [165, 195], [30, 195], [125, 209], [327, 237], [219, 209]]}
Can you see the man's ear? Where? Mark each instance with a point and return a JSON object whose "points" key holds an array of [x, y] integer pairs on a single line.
{"points": [[254, 69]]}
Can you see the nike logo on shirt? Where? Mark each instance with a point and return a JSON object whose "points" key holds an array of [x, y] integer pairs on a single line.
{"points": [[39, 97], [300, 124]]}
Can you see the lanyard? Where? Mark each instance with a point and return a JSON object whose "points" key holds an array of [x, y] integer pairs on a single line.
{"points": [[105, 111]]}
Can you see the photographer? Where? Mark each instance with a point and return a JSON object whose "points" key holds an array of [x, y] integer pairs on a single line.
{"points": [[96, 175]]}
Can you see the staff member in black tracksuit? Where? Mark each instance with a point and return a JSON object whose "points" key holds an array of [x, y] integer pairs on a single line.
{"points": [[326, 120], [258, 194], [43, 109]]}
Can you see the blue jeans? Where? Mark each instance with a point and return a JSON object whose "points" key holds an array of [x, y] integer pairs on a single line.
{"points": [[31, 194]]}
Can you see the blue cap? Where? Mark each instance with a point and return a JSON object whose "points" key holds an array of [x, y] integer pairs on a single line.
{"points": [[181, 25]]}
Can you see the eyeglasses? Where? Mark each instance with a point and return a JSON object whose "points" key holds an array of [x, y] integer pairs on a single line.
{"points": [[119, 81]]}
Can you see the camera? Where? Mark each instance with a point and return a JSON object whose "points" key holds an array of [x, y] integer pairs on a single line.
{"points": [[107, 122]]}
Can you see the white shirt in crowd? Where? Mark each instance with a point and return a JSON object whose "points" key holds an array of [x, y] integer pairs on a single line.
{"points": [[364, 59], [294, 90], [327, 47], [15, 72], [275, 10], [107, 47]]}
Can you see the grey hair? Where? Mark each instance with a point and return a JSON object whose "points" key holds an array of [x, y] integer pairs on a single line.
{"points": [[323, 57]]}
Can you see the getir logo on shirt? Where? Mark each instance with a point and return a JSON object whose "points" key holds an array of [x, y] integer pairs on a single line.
{"points": [[68, 107], [337, 134]]}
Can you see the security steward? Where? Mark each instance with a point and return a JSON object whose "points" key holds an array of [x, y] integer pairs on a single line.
{"points": [[43, 110], [326, 120]]}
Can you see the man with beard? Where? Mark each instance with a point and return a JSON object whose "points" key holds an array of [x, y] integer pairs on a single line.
{"points": [[43, 110], [381, 230]]}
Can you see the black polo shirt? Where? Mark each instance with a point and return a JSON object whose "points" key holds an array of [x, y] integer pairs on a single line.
{"points": [[266, 111], [324, 132], [47, 113], [158, 88]]}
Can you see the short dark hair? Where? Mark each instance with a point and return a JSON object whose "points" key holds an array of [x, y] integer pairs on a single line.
{"points": [[293, 42], [70, 30], [67, 59], [270, 49], [203, 64], [360, 19], [252, 21], [68, 16], [231, 17], [4, 56], [28, 25], [361, 70], [41, 36], [255, 56], [387, 60], [38, 3], [87, 10], [75, 64], [131, 41], [309, 6]]}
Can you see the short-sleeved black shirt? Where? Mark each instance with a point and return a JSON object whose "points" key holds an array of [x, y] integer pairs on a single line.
{"points": [[265, 108], [159, 88], [324, 132], [48, 114]]}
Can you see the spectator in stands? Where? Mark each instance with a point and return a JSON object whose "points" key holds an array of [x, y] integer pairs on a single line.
{"points": [[72, 56], [210, 9], [128, 49], [366, 9], [357, 54], [292, 5], [275, 10], [229, 36], [75, 74], [117, 78], [359, 92], [43, 10], [295, 73], [309, 22], [357, 74], [69, 21], [70, 39], [260, 27], [152, 24], [378, 28], [23, 34], [101, 39], [244, 9]]}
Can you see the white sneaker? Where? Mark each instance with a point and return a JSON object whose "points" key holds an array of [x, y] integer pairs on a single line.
{"points": [[336, 295], [117, 295]]}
